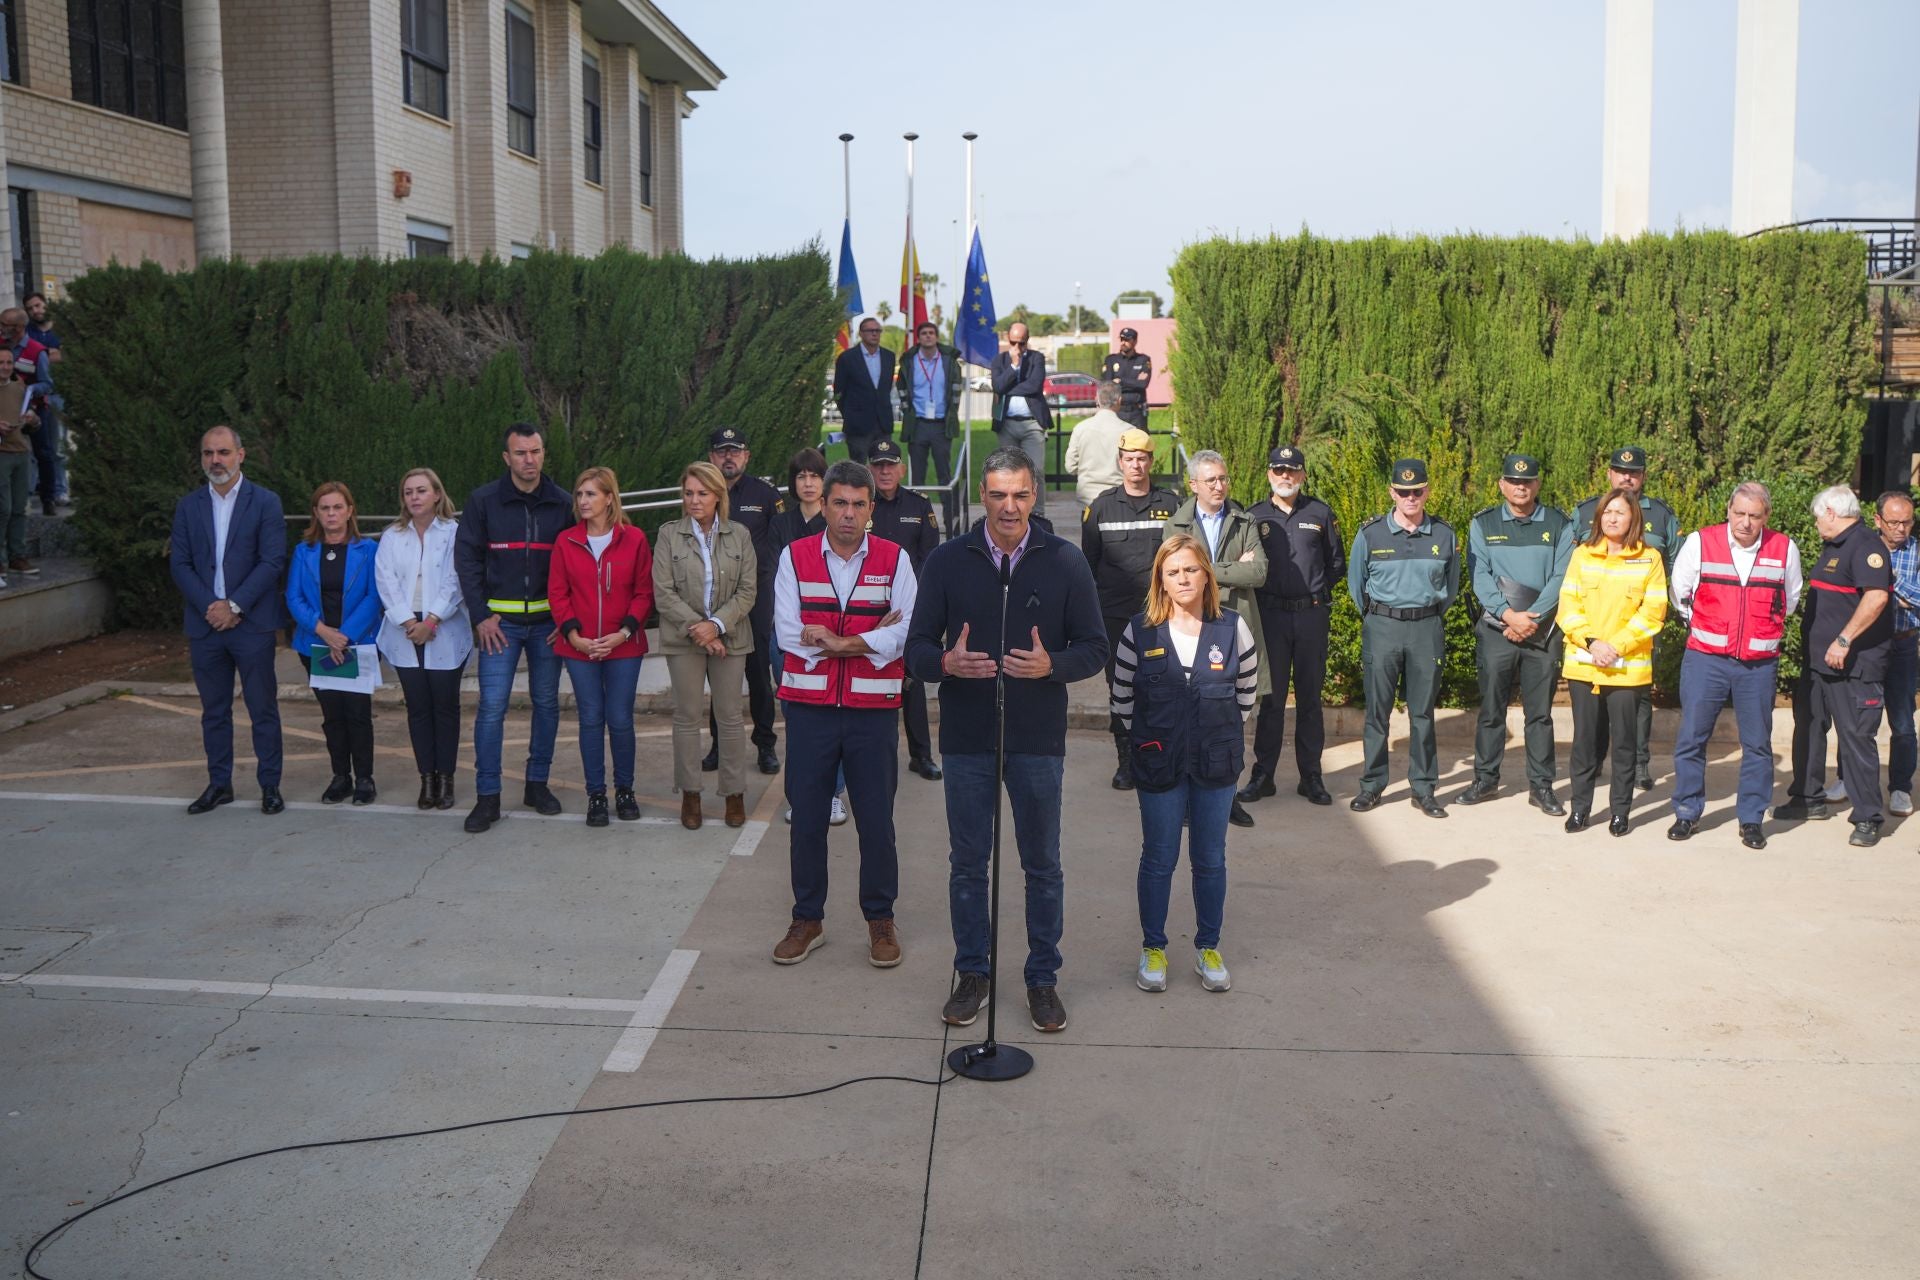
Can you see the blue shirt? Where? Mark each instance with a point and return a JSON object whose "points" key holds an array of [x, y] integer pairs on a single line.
{"points": [[1212, 526], [1906, 586], [930, 387], [873, 363]]}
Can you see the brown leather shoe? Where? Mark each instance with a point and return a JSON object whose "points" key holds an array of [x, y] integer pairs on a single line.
{"points": [[690, 810], [736, 811], [802, 937], [883, 944]]}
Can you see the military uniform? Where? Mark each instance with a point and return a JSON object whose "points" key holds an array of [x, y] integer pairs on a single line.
{"points": [[752, 504], [1120, 535], [1133, 373], [1305, 561], [1402, 581], [1517, 562], [908, 519]]}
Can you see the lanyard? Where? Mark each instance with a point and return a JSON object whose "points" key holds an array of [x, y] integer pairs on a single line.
{"points": [[927, 369]]}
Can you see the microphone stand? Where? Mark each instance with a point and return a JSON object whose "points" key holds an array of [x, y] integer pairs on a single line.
{"points": [[991, 1060]]}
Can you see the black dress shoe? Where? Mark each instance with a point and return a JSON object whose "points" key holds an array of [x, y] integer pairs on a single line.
{"points": [[1802, 811], [1239, 817], [710, 763], [429, 790], [444, 796], [1259, 786], [339, 789], [1617, 826], [485, 812], [270, 801], [212, 798], [1752, 836], [769, 762], [1865, 835], [1314, 790], [596, 808], [1643, 778], [1364, 801], [626, 806], [1543, 799], [364, 791], [540, 798], [1577, 820], [1482, 789], [1682, 829], [1430, 805], [927, 768]]}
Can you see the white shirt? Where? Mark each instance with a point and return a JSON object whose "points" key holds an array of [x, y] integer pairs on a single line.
{"points": [[597, 543], [1686, 571], [222, 520], [704, 541], [425, 561], [887, 643]]}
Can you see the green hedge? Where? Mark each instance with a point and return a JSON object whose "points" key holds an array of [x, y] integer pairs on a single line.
{"points": [[1081, 357], [357, 370], [1728, 359]]}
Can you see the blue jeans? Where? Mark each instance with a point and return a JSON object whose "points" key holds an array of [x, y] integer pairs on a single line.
{"points": [[1033, 790], [1902, 670], [1708, 682], [1205, 809], [496, 686], [603, 699]]}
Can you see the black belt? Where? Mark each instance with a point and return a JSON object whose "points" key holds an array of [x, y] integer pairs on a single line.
{"points": [[918, 418], [1021, 418], [1294, 604], [1407, 615]]}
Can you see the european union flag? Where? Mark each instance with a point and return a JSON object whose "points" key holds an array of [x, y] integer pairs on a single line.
{"points": [[974, 335]]}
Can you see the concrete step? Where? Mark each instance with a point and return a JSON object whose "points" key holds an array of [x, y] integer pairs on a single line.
{"points": [[64, 602]]}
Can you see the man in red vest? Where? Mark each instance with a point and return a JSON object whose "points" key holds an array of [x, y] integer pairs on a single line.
{"points": [[1736, 584], [841, 605]]}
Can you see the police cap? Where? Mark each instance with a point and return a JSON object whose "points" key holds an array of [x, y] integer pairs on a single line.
{"points": [[1129, 335], [1520, 466], [883, 451], [1409, 473], [1287, 456], [727, 438], [1628, 458]]}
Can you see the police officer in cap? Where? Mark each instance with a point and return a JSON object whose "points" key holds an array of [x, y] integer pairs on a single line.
{"points": [[1132, 371], [903, 516], [1517, 554], [751, 503], [1627, 469], [1403, 575], [1120, 531], [1305, 559]]}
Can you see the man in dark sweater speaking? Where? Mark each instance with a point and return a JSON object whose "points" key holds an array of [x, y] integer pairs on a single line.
{"points": [[1053, 637]]}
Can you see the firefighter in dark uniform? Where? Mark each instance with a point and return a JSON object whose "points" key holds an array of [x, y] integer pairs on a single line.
{"points": [[751, 503], [1120, 532], [1627, 469], [1305, 561], [1132, 371], [1517, 555], [903, 516], [1402, 575], [1846, 629]]}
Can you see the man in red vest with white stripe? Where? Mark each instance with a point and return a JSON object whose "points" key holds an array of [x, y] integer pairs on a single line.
{"points": [[1736, 584], [841, 605]]}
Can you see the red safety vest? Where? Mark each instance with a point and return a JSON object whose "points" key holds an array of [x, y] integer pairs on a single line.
{"points": [[1736, 619], [844, 682]]}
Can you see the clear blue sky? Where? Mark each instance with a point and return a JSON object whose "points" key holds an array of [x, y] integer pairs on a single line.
{"points": [[1112, 134]]}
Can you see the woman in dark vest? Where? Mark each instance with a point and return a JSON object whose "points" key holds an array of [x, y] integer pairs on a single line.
{"points": [[1184, 680]]}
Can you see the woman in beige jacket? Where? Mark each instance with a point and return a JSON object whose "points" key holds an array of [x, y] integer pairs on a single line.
{"points": [[703, 586]]}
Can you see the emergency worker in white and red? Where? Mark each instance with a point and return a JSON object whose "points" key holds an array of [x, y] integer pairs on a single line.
{"points": [[842, 601]]}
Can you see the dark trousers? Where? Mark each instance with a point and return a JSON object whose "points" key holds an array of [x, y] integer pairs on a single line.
{"points": [[1393, 655], [50, 472], [1903, 749], [433, 715], [1708, 681], [1642, 726], [913, 717], [215, 658], [821, 741], [1603, 719], [1500, 662], [1296, 653], [760, 693], [346, 719], [1134, 415], [1854, 707], [927, 437], [858, 446]]}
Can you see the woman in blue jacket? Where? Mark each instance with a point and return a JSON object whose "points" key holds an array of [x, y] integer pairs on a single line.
{"points": [[336, 605]]}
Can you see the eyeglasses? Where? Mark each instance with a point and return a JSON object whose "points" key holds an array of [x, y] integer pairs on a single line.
{"points": [[1212, 481], [1278, 470], [1408, 493]]}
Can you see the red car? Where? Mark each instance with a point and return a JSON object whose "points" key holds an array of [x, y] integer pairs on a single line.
{"points": [[1071, 389]]}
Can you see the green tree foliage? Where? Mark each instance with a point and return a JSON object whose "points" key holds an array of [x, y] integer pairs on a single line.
{"points": [[1141, 295], [1081, 357], [1726, 358], [357, 370], [1088, 320]]}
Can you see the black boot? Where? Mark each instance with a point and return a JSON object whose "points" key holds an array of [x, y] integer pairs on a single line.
{"points": [[429, 790], [445, 792], [1123, 776], [339, 789]]}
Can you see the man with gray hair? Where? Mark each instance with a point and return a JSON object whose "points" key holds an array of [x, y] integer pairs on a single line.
{"points": [[1846, 631], [1893, 517], [1093, 450], [1736, 584]]}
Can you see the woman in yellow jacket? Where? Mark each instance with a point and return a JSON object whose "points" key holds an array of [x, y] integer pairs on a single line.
{"points": [[1612, 603]]}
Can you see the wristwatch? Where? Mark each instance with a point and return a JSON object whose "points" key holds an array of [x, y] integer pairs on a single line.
{"points": [[1843, 642]]}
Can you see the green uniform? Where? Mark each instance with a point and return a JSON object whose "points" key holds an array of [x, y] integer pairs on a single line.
{"points": [[1663, 535], [1402, 581], [1516, 563]]}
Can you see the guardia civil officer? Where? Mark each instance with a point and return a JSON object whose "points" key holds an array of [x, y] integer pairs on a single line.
{"points": [[1402, 575], [1131, 371], [1627, 469], [903, 516], [1517, 554], [752, 504], [1305, 559], [1120, 531], [1846, 629]]}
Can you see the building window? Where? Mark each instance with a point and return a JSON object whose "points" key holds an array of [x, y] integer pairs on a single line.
{"points": [[423, 54], [520, 98], [129, 56], [590, 101], [428, 239], [646, 152], [9, 43], [23, 280], [519, 251]]}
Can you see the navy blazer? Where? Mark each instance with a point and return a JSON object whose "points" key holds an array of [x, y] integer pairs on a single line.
{"points": [[255, 562], [865, 410], [360, 608]]}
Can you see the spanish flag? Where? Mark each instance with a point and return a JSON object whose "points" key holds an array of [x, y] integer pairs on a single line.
{"points": [[913, 293]]}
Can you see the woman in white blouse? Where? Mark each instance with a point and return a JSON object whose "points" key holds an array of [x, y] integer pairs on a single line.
{"points": [[425, 633]]}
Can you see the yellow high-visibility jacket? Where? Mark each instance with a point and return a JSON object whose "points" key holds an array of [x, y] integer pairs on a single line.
{"points": [[1619, 598]]}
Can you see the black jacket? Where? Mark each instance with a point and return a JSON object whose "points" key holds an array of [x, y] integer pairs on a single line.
{"points": [[1029, 379], [907, 518], [865, 410], [504, 544], [1052, 589], [1121, 535]]}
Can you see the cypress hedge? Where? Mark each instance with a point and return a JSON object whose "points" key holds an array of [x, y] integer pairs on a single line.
{"points": [[357, 370], [1728, 359]]}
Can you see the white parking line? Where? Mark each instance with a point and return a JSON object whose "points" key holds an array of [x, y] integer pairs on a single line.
{"points": [[749, 840], [402, 810], [634, 1042]]}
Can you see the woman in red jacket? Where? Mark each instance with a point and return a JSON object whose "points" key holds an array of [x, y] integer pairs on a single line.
{"points": [[600, 586]]}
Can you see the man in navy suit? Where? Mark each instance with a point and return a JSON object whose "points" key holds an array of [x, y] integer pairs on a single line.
{"points": [[228, 555], [863, 388]]}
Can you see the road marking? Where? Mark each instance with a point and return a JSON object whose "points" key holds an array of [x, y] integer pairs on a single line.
{"points": [[368, 995], [749, 839], [401, 810], [631, 1050]]}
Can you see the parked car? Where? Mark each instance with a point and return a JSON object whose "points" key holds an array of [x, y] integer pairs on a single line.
{"points": [[980, 382], [1070, 390]]}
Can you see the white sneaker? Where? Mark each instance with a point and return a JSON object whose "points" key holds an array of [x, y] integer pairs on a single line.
{"points": [[1212, 970], [789, 815], [838, 817], [1900, 804], [3, 584], [1153, 969], [1837, 793]]}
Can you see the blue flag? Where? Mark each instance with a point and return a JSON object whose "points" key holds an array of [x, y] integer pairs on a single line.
{"points": [[974, 334], [849, 281]]}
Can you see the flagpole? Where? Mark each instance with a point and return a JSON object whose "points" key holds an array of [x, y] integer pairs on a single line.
{"points": [[966, 396], [846, 175], [911, 284]]}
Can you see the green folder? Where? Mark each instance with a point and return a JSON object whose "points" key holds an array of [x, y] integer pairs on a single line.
{"points": [[323, 663]]}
